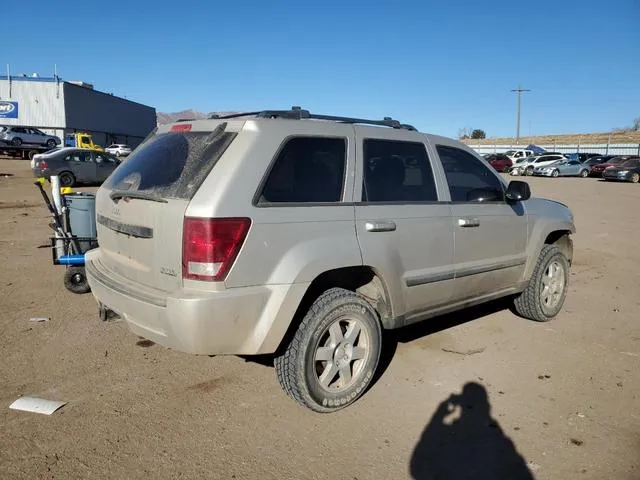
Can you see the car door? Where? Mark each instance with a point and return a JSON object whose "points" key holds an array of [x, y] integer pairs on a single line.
{"points": [[31, 136], [39, 136], [490, 235], [404, 232], [105, 165], [82, 165], [572, 167]]}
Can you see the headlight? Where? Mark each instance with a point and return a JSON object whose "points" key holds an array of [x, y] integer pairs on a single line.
{"points": [[623, 172]]}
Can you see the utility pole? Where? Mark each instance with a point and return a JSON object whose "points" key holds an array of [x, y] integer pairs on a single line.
{"points": [[519, 91]]}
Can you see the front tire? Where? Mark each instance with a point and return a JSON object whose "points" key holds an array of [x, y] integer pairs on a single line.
{"points": [[529, 171], [544, 297], [555, 173], [16, 141], [334, 354], [51, 143], [635, 177]]}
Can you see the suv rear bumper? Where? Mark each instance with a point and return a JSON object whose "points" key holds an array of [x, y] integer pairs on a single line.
{"points": [[242, 321]]}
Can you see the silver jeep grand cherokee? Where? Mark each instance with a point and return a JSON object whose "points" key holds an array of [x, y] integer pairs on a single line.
{"points": [[305, 236]]}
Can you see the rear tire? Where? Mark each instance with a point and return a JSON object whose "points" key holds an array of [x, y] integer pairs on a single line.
{"points": [[584, 173], [334, 353], [16, 141], [529, 171], [544, 297], [75, 280], [67, 179]]}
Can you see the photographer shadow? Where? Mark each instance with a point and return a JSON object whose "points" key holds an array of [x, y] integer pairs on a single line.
{"points": [[462, 441]]}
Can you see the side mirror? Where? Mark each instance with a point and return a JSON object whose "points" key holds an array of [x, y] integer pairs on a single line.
{"points": [[518, 191]]}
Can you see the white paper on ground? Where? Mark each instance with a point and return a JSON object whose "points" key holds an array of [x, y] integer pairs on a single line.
{"points": [[39, 319], [36, 405]]}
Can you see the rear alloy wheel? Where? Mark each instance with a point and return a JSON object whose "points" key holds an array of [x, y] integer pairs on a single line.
{"points": [[67, 179], [584, 173], [529, 171], [334, 354], [16, 141], [635, 177], [555, 173], [544, 296]]}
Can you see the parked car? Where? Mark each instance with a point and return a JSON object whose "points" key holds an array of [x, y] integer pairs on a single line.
{"points": [[233, 222], [527, 167], [598, 159], [596, 170], [76, 165], [118, 149], [16, 136], [516, 154], [627, 171], [500, 162], [563, 168], [581, 157]]}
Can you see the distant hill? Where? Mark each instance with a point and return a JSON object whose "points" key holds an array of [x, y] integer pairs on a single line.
{"points": [[571, 138], [189, 114]]}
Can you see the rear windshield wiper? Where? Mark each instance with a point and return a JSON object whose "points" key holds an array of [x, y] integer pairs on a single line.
{"points": [[117, 195]]}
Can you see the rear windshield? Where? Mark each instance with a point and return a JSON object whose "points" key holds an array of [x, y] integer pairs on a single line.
{"points": [[172, 165]]}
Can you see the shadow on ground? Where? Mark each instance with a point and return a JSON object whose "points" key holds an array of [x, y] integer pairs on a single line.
{"points": [[434, 325], [463, 441]]}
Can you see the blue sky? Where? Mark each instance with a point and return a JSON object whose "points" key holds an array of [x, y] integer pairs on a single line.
{"points": [[438, 65]]}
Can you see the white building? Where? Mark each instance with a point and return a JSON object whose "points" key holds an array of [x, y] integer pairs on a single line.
{"points": [[59, 107]]}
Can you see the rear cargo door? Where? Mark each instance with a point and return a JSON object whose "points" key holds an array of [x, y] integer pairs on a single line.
{"points": [[140, 209]]}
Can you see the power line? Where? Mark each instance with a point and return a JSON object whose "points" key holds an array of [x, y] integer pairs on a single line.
{"points": [[519, 91]]}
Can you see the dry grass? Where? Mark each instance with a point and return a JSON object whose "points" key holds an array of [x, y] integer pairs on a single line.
{"points": [[582, 138]]}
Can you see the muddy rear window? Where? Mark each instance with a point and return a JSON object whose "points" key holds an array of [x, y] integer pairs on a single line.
{"points": [[172, 165]]}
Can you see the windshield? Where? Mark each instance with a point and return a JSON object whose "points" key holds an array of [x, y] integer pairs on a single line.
{"points": [[617, 160], [633, 163], [510, 152], [172, 165]]}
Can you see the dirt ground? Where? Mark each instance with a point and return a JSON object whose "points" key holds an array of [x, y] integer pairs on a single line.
{"points": [[559, 400]]}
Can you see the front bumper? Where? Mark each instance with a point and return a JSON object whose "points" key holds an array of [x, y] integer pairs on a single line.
{"points": [[542, 174], [241, 321], [625, 177]]}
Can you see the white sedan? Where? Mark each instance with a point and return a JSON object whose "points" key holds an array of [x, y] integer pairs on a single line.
{"points": [[528, 165], [118, 149]]}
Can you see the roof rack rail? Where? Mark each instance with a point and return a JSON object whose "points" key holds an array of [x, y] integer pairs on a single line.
{"points": [[297, 113]]}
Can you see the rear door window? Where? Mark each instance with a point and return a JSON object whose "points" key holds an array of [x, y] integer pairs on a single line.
{"points": [[397, 171], [307, 170], [79, 157], [172, 165]]}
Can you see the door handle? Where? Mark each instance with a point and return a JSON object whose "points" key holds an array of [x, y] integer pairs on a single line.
{"points": [[468, 222], [386, 226]]}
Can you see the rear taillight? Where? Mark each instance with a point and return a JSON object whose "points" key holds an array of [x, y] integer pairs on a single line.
{"points": [[211, 245], [42, 165], [181, 127]]}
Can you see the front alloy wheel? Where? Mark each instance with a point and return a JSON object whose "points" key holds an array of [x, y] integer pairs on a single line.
{"points": [[546, 291]]}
